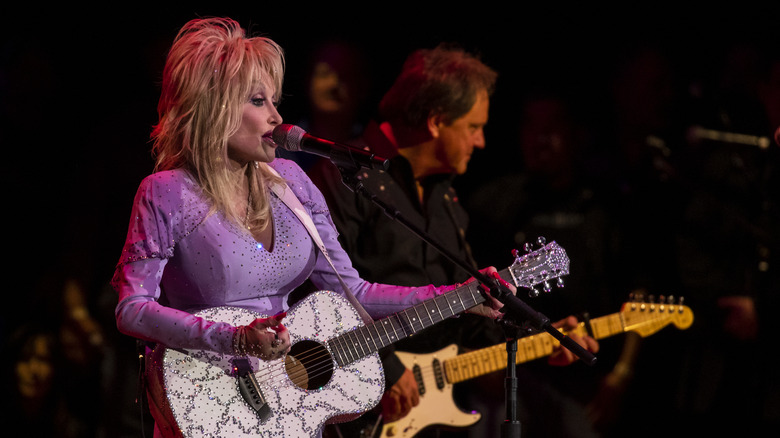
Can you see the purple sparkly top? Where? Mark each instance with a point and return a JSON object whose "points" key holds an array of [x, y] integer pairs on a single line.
{"points": [[179, 259]]}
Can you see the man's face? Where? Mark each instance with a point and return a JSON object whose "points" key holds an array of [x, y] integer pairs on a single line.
{"points": [[458, 139]]}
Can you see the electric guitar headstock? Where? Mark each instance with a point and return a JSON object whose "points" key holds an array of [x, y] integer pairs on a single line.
{"points": [[646, 316], [539, 267]]}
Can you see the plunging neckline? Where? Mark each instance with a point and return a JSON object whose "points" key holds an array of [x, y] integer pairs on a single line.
{"points": [[269, 232], [270, 245]]}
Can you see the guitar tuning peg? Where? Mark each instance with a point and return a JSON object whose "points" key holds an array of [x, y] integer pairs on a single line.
{"points": [[533, 293], [560, 283], [528, 247], [670, 299], [547, 287], [541, 240], [515, 253]]}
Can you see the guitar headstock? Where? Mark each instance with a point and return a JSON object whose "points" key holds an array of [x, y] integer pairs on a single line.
{"points": [[646, 317], [540, 266]]}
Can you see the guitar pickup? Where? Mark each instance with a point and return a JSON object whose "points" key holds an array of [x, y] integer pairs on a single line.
{"points": [[249, 388]]}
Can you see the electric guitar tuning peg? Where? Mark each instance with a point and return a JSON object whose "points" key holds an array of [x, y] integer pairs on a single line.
{"points": [[528, 247], [547, 287], [533, 292], [541, 240], [559, 282]]}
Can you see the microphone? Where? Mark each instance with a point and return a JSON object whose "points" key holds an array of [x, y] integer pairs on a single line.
{"points": [[294, 139], [700, 133]]}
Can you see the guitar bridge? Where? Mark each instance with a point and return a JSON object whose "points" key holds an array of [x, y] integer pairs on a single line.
{"points": [[249, 388]]}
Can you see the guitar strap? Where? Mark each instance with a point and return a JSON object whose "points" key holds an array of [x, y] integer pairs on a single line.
{"points": [[294, 204]]}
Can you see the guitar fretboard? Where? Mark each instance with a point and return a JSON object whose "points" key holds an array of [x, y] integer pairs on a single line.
{"points": [[477, 363], [368, 339]]}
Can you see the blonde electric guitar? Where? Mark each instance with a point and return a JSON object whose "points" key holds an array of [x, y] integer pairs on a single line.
{"points": [[437, 372]]}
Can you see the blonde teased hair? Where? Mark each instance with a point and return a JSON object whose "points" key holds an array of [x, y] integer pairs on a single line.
{"points": [[211, 70]]}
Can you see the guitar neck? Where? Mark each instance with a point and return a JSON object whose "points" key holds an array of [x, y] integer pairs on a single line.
{"points": [[477, 363], [368, 339], [537, 267]]}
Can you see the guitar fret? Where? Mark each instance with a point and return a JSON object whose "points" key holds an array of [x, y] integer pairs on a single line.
{"points": [[349, 352], [359, 342], [349, 344], [441, 317], [368, 339], [396, 325], [376, 336], [452, 312], [356, 343], [390, 338], [410, 323], [461, 302], [338, 345], [400, 329], [427, 314], [476, 365], [418, 316]]}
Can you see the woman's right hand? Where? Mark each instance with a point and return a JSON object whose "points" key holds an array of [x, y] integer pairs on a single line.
{"points": [[267, 338]]}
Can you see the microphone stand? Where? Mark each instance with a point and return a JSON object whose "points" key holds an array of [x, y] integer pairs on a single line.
{"points": [[511, 425], [515, 310]]}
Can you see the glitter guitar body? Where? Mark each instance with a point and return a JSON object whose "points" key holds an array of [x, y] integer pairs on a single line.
{"points": [[332, 373]]}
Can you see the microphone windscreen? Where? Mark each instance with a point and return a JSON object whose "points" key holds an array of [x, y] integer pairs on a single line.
{"points": [[288, 137]]}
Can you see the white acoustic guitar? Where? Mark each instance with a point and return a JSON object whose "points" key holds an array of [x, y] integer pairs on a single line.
{"points": [[437, 372], [332, 374]]}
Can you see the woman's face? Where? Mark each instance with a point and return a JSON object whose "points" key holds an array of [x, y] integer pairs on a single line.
{"points": [[252, 141]]}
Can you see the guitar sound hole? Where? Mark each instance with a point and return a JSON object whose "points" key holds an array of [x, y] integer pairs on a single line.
{"points": [[309, 365]]}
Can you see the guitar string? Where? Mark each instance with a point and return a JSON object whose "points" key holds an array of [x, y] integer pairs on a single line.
{"points": [[321, 356]]}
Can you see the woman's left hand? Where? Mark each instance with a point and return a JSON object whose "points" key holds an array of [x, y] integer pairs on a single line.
{"points": [[492, 307]]}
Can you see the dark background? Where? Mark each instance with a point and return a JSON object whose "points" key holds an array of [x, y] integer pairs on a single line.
{"points": [[78, 91], [79, 88]]}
